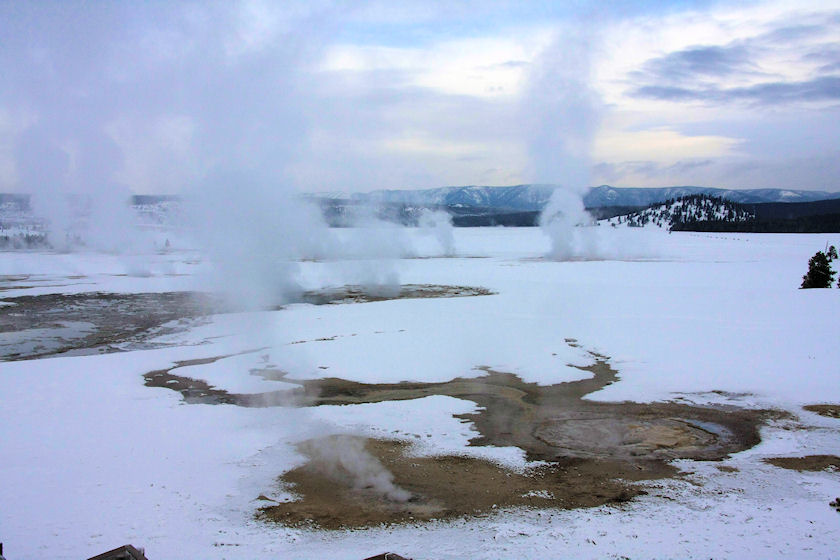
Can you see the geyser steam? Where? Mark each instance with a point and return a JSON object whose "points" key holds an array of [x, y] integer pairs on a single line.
{"points": [[439, 224], [255, 235], [562, 112], [345, 460], [564, 220]]}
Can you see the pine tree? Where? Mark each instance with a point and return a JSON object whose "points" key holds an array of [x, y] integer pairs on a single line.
{"points": [[820, 274]]}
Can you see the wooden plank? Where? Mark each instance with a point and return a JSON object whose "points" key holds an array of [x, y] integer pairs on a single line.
{"points": [[125, 552]]}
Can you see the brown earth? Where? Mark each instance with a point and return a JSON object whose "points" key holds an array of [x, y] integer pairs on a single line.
{"points": [[807, 463], [549, 422], [829, 410], [593, 452], [452, 486]]}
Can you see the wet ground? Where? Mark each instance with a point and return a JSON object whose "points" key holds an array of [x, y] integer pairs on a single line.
{"points": [[95, 322], [593, 453], [549, 422], [89, 323], [589, 453], [366, 294]]}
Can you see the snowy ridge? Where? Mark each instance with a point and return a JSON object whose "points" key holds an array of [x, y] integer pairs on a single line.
{"points": [[685, 210], [606, 195]]}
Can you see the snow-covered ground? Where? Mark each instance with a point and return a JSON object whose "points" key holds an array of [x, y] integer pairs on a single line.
{"points": [[92, 459]]}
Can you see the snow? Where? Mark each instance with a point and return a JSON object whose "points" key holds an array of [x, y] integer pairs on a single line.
{"points": [[93, 459]]}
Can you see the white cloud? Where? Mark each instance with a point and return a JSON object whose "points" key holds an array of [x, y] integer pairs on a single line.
{"points": [[660, 145], [480, 67]]}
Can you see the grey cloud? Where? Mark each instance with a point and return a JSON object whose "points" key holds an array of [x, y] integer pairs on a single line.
{"points": [[689, 165], [607, 171], [793, 33], [699, 62], [804, 26], [667, 93], [703, 73], [828, 55], [819, 89], [830, 68], [808, 172], [514, 64]]}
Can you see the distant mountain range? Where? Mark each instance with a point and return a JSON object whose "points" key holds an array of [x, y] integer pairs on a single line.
{"points": [[676, 208], [519, 198], [534, 197]]}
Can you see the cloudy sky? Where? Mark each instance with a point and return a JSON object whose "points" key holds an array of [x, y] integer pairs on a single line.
{"points": [[156, 97]]}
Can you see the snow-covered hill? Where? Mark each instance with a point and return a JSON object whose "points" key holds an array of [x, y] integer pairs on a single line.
{"points": [[684, 210], [606, 195]]}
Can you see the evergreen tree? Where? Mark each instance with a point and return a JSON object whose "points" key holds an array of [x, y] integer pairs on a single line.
{"points": [[819, 273]]}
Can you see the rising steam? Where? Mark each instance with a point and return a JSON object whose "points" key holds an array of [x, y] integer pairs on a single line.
{"points": [[254, 235], [439, 224], [568, 226], [345, 460], [562, 112]]}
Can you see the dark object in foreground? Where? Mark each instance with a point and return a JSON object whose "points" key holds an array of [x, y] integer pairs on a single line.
{"points": [[125, 552], [820, 274], [387, 556]]}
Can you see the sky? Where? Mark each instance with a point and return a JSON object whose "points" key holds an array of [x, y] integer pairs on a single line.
{"points": [[161, 97]]}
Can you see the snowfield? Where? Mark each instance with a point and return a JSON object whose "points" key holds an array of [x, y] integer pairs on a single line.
{"points": [[93, 459]]}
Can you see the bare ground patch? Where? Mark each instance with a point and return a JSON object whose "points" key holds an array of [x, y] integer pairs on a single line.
{"points": [[448, 487], [367, 294], [593, 452], [828, 410], [807, 463]]}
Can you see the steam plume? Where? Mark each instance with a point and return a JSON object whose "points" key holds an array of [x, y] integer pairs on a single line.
{"points": [[439, 223], [562, 112], [345, 460]]}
